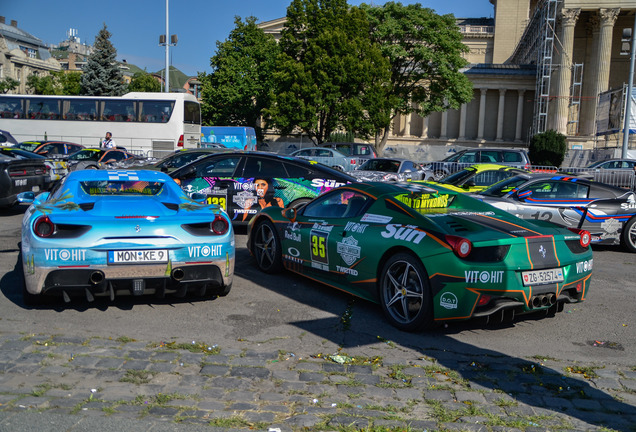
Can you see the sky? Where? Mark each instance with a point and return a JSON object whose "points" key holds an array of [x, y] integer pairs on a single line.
{"points": [[135, 25]]}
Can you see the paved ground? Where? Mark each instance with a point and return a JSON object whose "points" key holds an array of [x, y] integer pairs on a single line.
{"points": [[58, 383]]}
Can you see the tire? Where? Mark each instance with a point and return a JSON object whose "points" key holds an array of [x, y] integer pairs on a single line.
{"points": [[92, 167], [298, 203], [337, 168], [267, 248], [405, 295], [628, 235]]}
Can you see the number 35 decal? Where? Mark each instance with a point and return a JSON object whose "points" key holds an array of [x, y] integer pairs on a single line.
{"points": [[319, 246]]}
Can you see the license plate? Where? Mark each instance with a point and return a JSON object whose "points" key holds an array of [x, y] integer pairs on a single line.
{"points": [[138, 256], [541, 277]]}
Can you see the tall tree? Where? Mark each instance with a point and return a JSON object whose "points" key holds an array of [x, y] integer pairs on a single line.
{"points": [[8, 84], [41, 85], [144, 82], [425, 51], [238, 89], [330, 76], [55, 83], [102, 76]]}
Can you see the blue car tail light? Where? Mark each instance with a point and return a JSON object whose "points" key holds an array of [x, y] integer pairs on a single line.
{"points": [[43, 227], [219, 225]]}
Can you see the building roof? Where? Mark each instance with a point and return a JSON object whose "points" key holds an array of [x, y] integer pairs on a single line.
{"points": [[16, 34]]}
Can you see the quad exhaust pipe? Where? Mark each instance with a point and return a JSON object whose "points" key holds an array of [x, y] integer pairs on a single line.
{"points": [[543, 300]]}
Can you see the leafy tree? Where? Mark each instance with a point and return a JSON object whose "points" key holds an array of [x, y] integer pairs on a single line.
{"points": [[330, 76], [239, 87], [102, 76], [8, 84], [144, 82], [425, 52], [547, 148], [41, 85], [56, 83]]}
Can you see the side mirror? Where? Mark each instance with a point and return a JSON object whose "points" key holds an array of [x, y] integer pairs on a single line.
{"points": [[290, 213], [26, 197], [197, 196]]}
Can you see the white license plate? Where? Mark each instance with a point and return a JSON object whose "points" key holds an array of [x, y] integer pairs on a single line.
{"points": [[138, 256], [541, 277]]}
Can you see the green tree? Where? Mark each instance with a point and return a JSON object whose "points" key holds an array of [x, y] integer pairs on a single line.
{"points": [[41, 85], [8, 84], [70, 82], [144, 82], [547, 148], [102, 76], [425, 52], [330, 77], [239, 87]]}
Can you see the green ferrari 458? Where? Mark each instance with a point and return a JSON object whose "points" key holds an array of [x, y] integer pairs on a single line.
{"points": [[425, 254]]}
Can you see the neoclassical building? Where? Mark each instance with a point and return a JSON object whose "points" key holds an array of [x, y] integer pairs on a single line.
{"points": [[22, 54], [537, 65]]}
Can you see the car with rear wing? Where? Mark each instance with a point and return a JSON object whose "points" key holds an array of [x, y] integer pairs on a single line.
{"points": [[21, 175], [607, 212], [111, 233], [426, 254]]}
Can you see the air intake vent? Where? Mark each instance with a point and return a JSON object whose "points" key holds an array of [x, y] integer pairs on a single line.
{"points": [[172, 206], [456, 226], [87, 206]]}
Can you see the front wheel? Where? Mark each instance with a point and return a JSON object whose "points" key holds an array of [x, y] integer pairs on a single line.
{"points": [[267, 247], [438, 175], [628, 235], [405, 295]]}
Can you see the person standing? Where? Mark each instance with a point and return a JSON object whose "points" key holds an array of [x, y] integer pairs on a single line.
{"points": [[108, 142]]}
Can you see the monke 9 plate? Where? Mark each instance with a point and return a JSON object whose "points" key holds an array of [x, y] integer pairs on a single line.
{"points": [[425, 254]]}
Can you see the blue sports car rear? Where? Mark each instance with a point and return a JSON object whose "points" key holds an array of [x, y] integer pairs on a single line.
{"points": [[106, 233]]}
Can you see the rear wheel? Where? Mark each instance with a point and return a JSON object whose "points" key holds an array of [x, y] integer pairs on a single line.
{"points": [[438, 175], [338, 167], [405, 295], [267, 247], [628, 235]]}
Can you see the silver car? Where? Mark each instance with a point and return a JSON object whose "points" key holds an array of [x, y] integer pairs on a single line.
{"points": [[328, 157], [388, 169]]}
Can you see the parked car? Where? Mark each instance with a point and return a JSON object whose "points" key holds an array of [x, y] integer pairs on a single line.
{"points": [[56, 168], [243, 183], [51, 149], [6, 139], [95, 158], [517, 158], [388, 169], [425, 254], [607, 212], [104, 233], [617, 172], [179, 158], [329, 157], [20, 175], [477, 177], [361, 151]]}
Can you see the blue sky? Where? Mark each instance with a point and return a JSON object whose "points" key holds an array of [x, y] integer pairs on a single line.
{"points": [[136, 24]]}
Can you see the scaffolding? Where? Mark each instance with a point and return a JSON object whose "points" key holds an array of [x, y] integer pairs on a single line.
{"points": [[574, 111]]}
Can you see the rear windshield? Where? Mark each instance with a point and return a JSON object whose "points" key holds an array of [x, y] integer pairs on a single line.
{"points": [[118, 187]]}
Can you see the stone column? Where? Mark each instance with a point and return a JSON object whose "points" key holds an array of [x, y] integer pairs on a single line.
{"points": [[519, 123], [443, 134], [424, 133], [500, 114], [407, 125], [587, 122], [568, 21], [462, 122], [604, 51], [482, 113]]}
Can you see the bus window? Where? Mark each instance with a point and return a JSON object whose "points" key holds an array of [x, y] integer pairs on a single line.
{"points": [[43, 109], [118, 110], [80, 109], [191, 112], [155, 111], [12, 108]]}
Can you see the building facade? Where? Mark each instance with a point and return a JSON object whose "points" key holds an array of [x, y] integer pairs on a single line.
{"points": [[22, 54]]}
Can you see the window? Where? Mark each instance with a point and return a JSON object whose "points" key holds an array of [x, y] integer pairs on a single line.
{"points": [[156, 111], [118, 110], [295, 171], [43, 109], [512, 157], [191, 112], [220, 167], [264, 167], [80, 109], [468, 157], [342, 203], [490, 157]]}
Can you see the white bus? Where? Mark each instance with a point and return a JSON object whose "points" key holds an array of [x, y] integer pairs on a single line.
{"points": [[153, 124]]}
